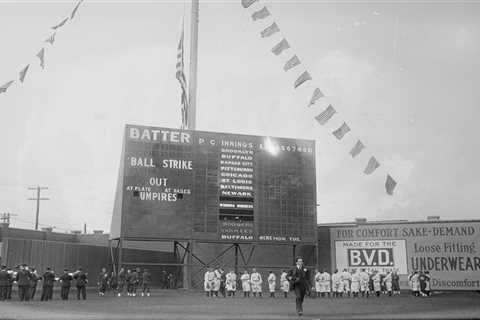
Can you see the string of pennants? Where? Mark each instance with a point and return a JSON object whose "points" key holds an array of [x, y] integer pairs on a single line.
{"points": [[330, 111], [41, 53]]}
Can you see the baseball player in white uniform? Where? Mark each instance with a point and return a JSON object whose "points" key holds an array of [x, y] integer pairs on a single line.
{"points": [[285, 284], [325, 284], [272, 283], [245, 279], [231, 283], [256, 282]]}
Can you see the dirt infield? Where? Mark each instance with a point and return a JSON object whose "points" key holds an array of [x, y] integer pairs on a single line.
{"points": [[179, 304]]}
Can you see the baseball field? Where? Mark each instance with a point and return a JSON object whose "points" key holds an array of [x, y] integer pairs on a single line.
{"points": [[180, 304]]}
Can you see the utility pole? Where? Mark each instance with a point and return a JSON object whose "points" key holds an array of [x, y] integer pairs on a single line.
{"points": [[38, 198], [192, 98]]}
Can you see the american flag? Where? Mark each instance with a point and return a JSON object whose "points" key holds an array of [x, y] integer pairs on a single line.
{"points": [[342, 131], [372, 165], [180, 75], [326, 114]]}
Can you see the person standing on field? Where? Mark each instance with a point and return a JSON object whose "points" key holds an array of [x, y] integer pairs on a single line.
{"points": [[336, 284], [318, 282], [48, 279], [284, 283], [231, 283], [65, 284], [256, 282], [245, 278], [325, 284], [272, 283], [81, 283]]}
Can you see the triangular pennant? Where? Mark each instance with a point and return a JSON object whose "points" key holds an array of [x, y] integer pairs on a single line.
{"points": [[371, 166], [6, 86], [268, 31], [60, 24], [326, 114], [23, 73], [248, 3], [390, 185], [292, 62], [317, 94], [260, 14], [280, 47], [305, 76], [41, 56], [357, 148], [342, 131], [75, 9], [51, 39]]}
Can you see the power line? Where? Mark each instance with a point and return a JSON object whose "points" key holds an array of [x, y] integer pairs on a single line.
{"points": [[40, 224], [5, 218]]}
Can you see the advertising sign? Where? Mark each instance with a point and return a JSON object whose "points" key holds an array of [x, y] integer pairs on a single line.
{"points": [[449, 250], [380, 255]]}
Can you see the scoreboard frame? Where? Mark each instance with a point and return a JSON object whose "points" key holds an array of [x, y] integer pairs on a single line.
{"points": [[153, 157]]}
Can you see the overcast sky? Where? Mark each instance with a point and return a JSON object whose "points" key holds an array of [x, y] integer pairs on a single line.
{"points": [[404, 76]]}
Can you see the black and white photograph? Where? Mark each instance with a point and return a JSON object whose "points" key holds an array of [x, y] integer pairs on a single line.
{"points": [[239, 159]]}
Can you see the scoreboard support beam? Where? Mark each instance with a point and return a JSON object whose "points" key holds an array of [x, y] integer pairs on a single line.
{"points": [[120, 249], [236, 258]]}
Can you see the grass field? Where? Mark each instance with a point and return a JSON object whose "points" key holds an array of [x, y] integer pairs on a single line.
{"points": [[180, 304]]}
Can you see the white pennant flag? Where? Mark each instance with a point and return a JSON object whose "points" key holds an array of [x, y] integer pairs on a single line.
{"points": [[5, 86], [51, 39], [41, 56], [23, 73], [317, 94]]}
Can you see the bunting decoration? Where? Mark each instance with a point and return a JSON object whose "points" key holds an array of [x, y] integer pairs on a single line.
{"points": [[248, 3], [61, 24], [291, 63], [342, 131], [305, 76], [371, 166], [5, 87], [268, 31], [41, 56], [51, 39], [180, 75], [260, 14], [328, 113], [280, 47], [41, 53], [72, 15], [22, 74], [317, 94], [357, 148], [390, 185]]}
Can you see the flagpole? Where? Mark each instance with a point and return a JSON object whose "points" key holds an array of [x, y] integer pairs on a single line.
{"points": [[192, 99]]}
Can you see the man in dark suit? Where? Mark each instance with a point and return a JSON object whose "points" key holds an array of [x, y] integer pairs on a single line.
{"points": [[81, 279], [4, 281], [33, 282], [299, 282], [65, 284], [23, 279], [47, 288]]}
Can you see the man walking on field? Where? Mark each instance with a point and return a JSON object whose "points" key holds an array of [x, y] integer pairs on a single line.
{"points": [[300, 278]]}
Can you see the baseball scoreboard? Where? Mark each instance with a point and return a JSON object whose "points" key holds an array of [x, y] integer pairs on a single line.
{"points": [[180, 184]]}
